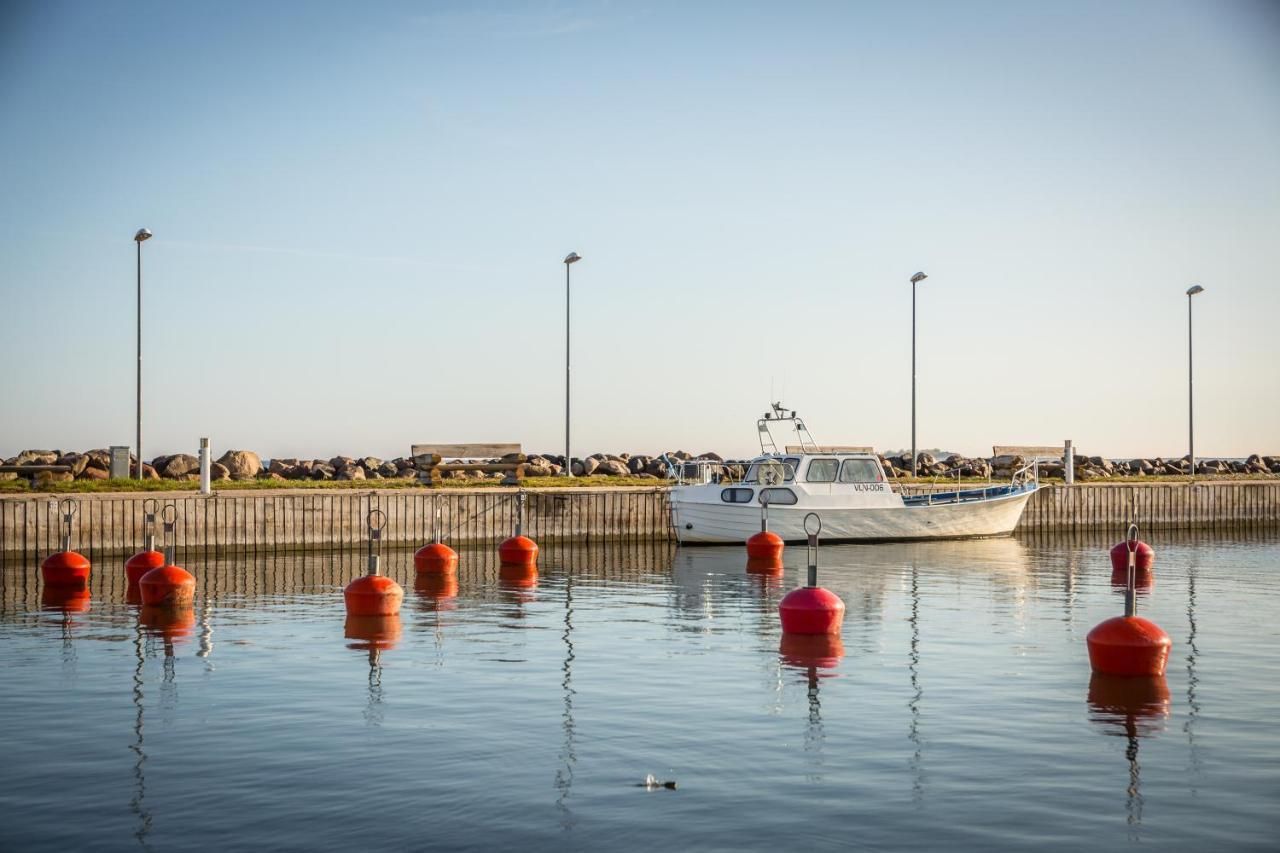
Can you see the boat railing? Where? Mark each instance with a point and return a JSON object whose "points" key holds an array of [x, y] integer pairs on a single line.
{"points": [[1027, 475], [697, 472]]}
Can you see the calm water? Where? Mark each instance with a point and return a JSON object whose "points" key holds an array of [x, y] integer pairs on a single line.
{"points": [[958, 712]]}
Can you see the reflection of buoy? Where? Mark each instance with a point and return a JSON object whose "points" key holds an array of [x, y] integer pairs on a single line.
{"points": [[375, 633], [168, 586], [1141, 580], [764, 565], [1124, 703], [811, 609], [518, 551], [518, 576], [765, 545], [141, 563], [1143, 558], [170, 623], [438, 587], [66, 569], [435, 557], [1128, 645], [821, 651], [65, 599]]}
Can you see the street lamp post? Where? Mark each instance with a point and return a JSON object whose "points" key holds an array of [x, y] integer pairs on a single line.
{"points": [[571, 258], [143, 234], [915, 279], [1191, 397]]}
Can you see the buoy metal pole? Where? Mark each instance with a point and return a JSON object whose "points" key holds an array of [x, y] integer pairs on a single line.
{"points": [[68, 509], [811, 554], [1130, 598], [373, 594]]}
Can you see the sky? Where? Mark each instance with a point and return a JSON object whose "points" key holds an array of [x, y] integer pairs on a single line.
{"points": [[361, 210]]}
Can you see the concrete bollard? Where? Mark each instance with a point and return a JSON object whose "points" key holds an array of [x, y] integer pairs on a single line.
{"points": [[204, 466]]}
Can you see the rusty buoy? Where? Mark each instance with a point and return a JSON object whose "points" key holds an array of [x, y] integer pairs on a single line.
{"points": [[66, 568], [374, 594], [811, 609], [168, 586]]}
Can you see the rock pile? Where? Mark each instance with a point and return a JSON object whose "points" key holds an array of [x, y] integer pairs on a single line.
{"points": [[247, 465]]}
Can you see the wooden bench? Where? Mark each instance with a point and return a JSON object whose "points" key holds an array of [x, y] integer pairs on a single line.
{"points": [[1035, 453], [428, 459], [33, 472]]}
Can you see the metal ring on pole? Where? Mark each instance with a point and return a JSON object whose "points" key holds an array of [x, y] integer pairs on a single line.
{"points": [[68, 507], [817, 520], [149, 508]]}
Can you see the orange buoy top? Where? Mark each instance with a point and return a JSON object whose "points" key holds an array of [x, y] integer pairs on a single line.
{"points": [[373, 595], [1128, 645], [811, 610], [764, 545], [435, 557], [65, 568], [141, 563], [518, 551]]}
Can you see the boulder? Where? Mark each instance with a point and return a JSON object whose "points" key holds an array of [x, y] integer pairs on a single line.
{"points": [[656, 468], [241, 464], [36, 457], [149, 472], [923, 460], [270, 475], [370, 463], [590, 466], [340, 462], [389, 469], [283, 467], [322, 471], [218, 471], [77, 462], [351, 472], [578, 469], [178, 464], [638, 464], [92, 474], [612, 468]]}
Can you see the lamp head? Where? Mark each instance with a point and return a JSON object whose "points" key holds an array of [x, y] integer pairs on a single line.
{"points": [[918, 277], [143, 234], [1194, 289], [572, 258]]}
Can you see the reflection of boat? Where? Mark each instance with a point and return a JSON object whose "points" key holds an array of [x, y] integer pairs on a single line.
{"points": [[714, 501]]}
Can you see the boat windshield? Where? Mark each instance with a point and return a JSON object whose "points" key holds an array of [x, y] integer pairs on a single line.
{"points": [[861, 471], [772, 471]]}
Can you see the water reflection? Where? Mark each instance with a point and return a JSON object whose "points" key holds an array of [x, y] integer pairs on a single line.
{"points": [[568, 752], [373, 635], [811, 654], [1132, 708], [1193, 680], [917, 692]]}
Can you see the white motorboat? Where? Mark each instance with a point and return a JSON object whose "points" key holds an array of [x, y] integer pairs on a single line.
{"points": [[714, 501]]}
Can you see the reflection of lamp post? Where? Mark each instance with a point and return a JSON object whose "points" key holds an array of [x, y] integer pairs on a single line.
{"points": [[571, 258], [1191, 400], [915, 279], [143, 234], [913, 665], [564, 777]]}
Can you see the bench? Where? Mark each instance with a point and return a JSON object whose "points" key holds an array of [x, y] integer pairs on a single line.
{"points": [[32, 472], [1035, 453], [428, 459]]}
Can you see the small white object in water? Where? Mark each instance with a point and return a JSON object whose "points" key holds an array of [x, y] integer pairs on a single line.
{"points": [[652, 783]]}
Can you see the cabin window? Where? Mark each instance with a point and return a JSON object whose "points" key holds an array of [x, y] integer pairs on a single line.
{"points": [[778, 497], [736, 496], [771, 472], [861, 471], [823, 470]]}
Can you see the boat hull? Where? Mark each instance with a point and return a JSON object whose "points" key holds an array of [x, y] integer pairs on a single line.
{"points": [[709, 523]]}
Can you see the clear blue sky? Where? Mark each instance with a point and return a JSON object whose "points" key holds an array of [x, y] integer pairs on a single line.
{"points": [[360, 212]]}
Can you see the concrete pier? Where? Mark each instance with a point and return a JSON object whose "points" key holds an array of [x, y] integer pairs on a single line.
{"points": [[297, 519]]}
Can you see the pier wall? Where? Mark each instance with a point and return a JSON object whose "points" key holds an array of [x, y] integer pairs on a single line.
{"points": [[287, 519]]}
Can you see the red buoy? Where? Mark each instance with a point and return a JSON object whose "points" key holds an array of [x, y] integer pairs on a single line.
{"points": [[811, 610], [765, 545], [518, 551], [436, 558], [66, 569], [141, 563], [168, 586], [1128, 645], [373, 595], [1143, 558], [764, 565]]}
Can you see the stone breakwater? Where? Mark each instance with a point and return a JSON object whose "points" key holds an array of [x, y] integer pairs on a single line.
{"points": [[248, 465]]}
